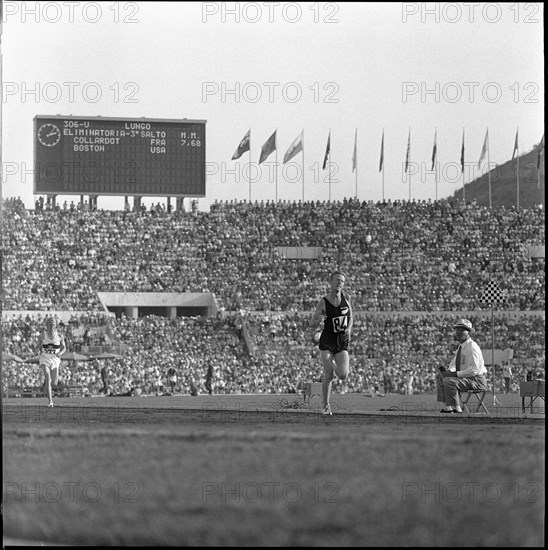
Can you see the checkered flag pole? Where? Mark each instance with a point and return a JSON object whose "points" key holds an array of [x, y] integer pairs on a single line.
{"points": [[493, 294]]}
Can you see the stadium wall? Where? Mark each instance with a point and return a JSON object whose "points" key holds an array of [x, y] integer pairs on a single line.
{"points": [[66, 315], [167, 304], [63, 315], [405, 313]]}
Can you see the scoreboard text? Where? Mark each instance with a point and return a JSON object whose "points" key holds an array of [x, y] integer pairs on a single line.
{"points": [[106, 156]]}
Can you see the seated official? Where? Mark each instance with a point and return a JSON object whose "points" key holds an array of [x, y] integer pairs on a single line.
{"points": [[466, 370]]}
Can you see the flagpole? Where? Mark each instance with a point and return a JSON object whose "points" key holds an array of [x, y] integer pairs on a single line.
{"points": [[492, 295], [493, 347], [462, 165], [436, 162], [356, 160], [539, 167], [383, 182], [382, 152], [356, 179], [517, 169], [302, 151], [276, 164], [249, 165], [409, 162], [488, 167], [329, 164], [495, 400]]}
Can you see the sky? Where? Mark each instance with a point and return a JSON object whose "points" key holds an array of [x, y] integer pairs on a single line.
{"points": [[410, 70]]}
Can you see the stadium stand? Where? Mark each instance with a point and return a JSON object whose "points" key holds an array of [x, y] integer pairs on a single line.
{"points": [[408, 265]]}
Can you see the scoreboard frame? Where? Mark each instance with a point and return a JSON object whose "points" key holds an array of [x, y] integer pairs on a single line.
{"points": [[173, 169]]}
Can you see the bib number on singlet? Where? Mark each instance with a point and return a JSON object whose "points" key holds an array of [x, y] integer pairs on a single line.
{"points": [[340, 323]]}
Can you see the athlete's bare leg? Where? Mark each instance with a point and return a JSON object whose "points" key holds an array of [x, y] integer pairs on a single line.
{"points": [[54, 377], [47, 383], [342, 367], [329, 365]]}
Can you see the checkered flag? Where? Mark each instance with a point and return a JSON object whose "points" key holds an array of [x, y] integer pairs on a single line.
{"points": [[493, 294]]}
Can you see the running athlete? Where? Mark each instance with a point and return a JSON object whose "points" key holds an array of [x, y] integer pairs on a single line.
{"points": [[335, 308], [52, 346]]}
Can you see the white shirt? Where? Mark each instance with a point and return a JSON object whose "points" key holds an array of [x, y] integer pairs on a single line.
{"points": [[471, 360], [51, 345]]}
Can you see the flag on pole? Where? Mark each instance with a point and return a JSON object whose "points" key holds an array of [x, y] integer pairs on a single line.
{"points": [[295, 148], [327, 151], [515, 145], [492, 294], [484, 148], [268, 148], [355, 155], [243, 147], [434, 150], [462, 154], [408, 152], [540, 151], [381, 161]]}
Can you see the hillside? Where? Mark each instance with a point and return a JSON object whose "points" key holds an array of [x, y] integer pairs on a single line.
{"points": [[503, 184]]}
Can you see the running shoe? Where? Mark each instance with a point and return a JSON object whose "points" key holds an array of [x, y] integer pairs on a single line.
{"points": [[327, 411]]}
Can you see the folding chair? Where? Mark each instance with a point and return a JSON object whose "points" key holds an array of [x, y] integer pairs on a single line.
{"points": [[465, 396]]}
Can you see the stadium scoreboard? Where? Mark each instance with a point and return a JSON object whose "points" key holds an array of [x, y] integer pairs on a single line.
{"points": [[119, 156]]}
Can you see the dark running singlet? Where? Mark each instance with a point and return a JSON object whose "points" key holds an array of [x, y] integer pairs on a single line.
{"points": [[333, 337]]}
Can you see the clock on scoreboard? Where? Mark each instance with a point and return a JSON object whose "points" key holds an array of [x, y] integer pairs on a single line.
{"points": [[119, 156]]}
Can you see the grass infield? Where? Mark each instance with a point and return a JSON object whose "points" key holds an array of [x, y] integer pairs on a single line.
{"points": [[269, 470]]}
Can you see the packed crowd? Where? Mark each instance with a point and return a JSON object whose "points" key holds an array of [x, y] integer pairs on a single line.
{"points": [[401, 257], [153, 345], [21, 332], [395, 353], [398, 256], [389, 353]]}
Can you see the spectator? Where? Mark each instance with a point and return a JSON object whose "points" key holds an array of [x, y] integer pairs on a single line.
{"points": [[209, 377], [466, 371], [105, 380], [172, 378], [409, 379], [507, 375]]}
